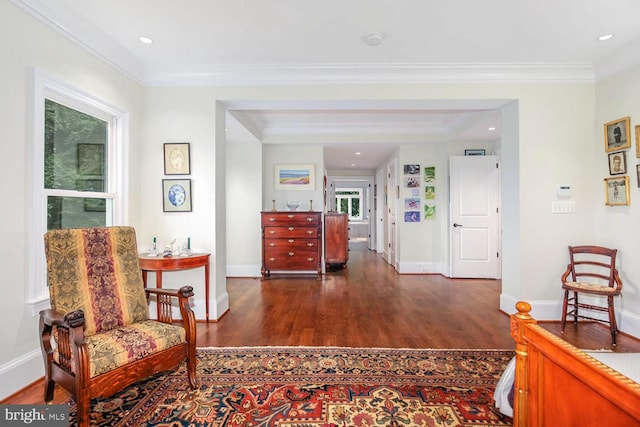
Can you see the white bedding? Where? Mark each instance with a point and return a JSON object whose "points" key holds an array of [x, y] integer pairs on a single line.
{"points": [[628, 364]]}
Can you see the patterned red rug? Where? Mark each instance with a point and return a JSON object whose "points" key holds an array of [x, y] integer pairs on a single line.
{"points": [[317, 387]]}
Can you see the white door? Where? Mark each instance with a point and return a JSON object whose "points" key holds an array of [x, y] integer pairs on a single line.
{"points": [[475, 216], [379, 211], [391, 206]]}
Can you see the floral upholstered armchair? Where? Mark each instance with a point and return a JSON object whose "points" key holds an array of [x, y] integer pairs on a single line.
{"points": [[97, 337]]}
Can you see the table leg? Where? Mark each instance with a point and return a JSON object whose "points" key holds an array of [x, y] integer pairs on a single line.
{"points": [[159, 286], [206, 291]]}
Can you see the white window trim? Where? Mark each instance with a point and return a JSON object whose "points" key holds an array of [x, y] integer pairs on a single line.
{"points": [[45, 85], [349, 198]]}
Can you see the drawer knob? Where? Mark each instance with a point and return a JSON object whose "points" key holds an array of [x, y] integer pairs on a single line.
{"points": [[309, 243], [291, 228], [309, 219], [291, 240], [309, 259], [292, 253], [309, 231], [272, 232], [272, 244], [272, 218], [272, 259], [290, 216]]}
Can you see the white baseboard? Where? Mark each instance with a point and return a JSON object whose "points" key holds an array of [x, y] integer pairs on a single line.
{"points": [[628, 322], [20, 372], [421, 268], [243, 270]]}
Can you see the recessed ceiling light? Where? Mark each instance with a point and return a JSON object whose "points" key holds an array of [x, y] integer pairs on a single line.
{"points": [[492, 128], [353, 164], [606, 36], [145, 40], [357, 153]]}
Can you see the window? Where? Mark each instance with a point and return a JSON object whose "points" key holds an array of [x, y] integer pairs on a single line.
{"points": [[349, 201], [77, 169]]}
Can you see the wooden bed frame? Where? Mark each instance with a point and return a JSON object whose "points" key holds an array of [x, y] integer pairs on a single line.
{"points": [[556, 384]]}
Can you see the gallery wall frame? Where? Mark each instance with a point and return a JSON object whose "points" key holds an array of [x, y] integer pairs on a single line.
{"points": [[637, 140], [177, 158], [295, 177], [617, 191], [617, 163], [176, 195], [616, 135], [474, 152]]}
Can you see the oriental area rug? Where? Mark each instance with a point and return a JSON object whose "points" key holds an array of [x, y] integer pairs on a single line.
{"points": [[316, 387]]}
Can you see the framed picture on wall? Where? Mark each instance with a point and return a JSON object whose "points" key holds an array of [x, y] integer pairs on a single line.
{"points": [[176, 195], [617, 163], [617, 191], [616, 135], [295, 177], [177, 159], [637, 140]]}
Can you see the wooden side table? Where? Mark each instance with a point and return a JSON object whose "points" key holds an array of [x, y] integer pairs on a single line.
{"points": [[159, 264]]}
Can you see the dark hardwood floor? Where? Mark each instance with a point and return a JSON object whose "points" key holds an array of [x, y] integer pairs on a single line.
{"points": [[368, 305]]}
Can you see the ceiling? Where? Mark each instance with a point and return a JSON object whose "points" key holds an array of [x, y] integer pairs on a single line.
{"points": [[215, 42]]}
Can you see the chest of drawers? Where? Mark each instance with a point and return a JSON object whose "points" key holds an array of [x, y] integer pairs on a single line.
{"points": [[291, 241]]}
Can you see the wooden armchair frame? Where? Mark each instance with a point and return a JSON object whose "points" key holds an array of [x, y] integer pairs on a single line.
{"points": [[71, 371]]}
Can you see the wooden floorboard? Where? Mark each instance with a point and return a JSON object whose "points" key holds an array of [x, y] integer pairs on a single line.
{"points": [[368, 305]]}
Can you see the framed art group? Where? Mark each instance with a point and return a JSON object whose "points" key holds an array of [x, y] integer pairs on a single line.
{"points": [[176, 192], [420, 200], [617, 139]]}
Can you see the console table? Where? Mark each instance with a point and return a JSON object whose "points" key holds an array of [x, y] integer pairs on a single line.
{"points": [[159, 264]]}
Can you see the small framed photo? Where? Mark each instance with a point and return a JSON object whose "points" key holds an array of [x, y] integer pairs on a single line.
{"points": [[616, 135], [412, 216], [295, 177], [474, 152], [637, 140], [411, 169], [617, 163], [177, 160], [176, 195], [617, 191]]}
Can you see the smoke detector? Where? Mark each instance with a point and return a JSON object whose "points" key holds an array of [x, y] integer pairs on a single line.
{"points": [[373, 39]]}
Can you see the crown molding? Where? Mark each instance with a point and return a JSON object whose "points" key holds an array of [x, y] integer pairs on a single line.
{"points": [[75, 28]]}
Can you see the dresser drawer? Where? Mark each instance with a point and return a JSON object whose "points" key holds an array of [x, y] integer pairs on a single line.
{"points": [[291, 243], [296, 259], [290, 218], [292, 231]]}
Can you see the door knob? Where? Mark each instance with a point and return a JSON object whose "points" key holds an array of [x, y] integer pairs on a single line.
{"points": [[455, 224]]}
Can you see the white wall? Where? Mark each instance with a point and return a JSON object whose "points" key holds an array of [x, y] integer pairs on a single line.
{"points": [[244, 202], [25, 44], [619, 226]]}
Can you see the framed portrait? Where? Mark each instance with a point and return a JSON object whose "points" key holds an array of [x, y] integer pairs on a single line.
{"points": [[176, 195], [91, 159], [177, 159], [411, 182], [616, 135], [474, 152], [637, 140], [617, 163], [412, 203], [617, 191], [295, 177]]}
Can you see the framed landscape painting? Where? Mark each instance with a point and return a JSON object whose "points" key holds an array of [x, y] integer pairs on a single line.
{"points": [[295, 177]]}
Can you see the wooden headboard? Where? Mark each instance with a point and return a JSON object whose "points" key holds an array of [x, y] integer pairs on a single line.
{"points": [[557, 384]]}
